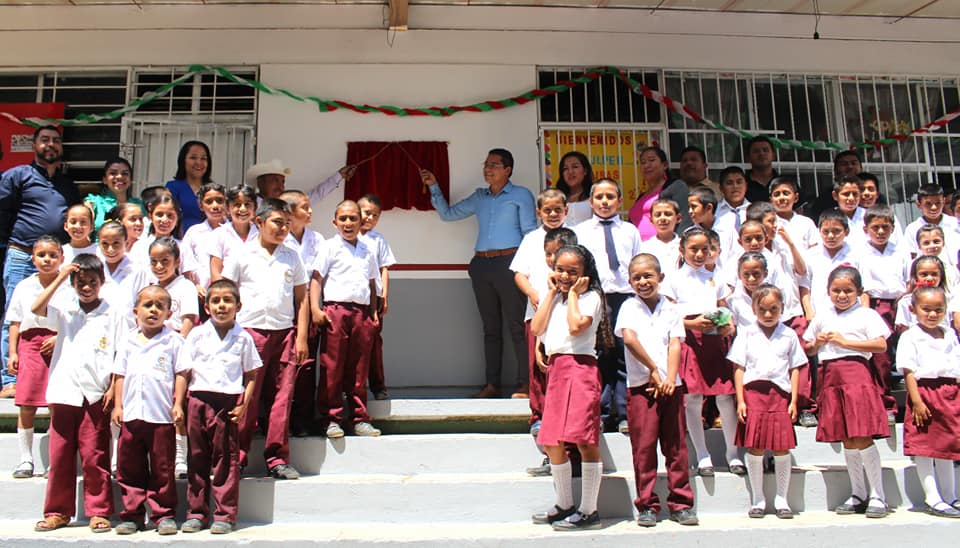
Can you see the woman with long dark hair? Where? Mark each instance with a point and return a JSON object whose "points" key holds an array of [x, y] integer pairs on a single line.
{"points": [[194, 166]]}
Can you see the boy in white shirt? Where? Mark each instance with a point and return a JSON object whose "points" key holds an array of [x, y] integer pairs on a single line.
{"points": [[930, 202], [731, 212], [370, 209], [79, 396], [344, 283], [665, 246], [220, 362], [832, 252], [273, 285], [784, 194]]}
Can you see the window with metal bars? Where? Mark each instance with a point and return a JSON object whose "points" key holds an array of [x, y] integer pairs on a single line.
{"points": [[205, 94]]}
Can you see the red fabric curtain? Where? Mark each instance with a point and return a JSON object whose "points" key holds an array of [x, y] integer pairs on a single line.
{"points": [[391, 170]]}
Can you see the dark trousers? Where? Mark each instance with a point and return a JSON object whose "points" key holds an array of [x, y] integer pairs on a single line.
{"points": [[273, 390], [376, 377], [652, 419], [305, 388], [613, 368], [145, 459], [499, 301], [214, 457], [84, 430], [344, 359], [538, 378], [882, 362]]}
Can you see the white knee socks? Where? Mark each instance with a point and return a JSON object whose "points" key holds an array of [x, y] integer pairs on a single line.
{"points": [[782, 466], [871, 465], [947, 479], [25, 437], [693, 409], [591, 474], [755, 474], [927, 480], [727, 406], [858, 487], [562, 483]]}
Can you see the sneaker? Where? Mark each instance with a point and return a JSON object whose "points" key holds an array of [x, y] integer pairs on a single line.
{"points": [[808, 419], [365, 429], [284, 472], [334, 431], [535, 429], [554, 514], [221, 528], [167, 526], [685, 517], [623, 427], [647, 518], [578, 521], [853, 505], [540, 471], [191, 526], [24, 470], [381, 395], [127, 528], [180, 470]]}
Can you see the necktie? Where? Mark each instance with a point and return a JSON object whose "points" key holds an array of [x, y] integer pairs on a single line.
{"points": [[608, 243], [736, 219]]}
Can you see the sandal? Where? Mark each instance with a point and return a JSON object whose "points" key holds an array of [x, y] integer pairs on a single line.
{"points": [[51, 523], [100, 524]]}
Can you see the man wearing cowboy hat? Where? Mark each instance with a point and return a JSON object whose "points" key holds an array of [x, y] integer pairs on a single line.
{"points": [[268, 177]]}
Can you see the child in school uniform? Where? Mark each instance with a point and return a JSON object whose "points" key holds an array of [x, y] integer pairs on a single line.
{"points": [[31, 344], [129, 215], [665, 246], [925, 271], [844, 335], [343, 295], [219, 360], [704, 371], [119, 269], [767, 356], [833, 251], [846, 192], [752, 273], [273, 284], [78, 394], [196, 262], [370, 209], [308, 244], [930, 200], [731, 211], [230, 238], [932, 241], [165, 220], [784, 195], [530, 274], [927, 354], [613, 242], [869, 197], [652, 331], [79, 227], [570, 319], [145, 411]]}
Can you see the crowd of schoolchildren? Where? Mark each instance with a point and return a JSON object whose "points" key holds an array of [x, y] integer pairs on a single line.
{"points": [[776, 318], [159, 353], [186, 343]]}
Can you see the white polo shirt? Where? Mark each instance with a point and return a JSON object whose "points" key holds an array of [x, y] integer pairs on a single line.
{"points": [[695, 290], [69, 252], [802, 230], [381, 250], [908, 319], [741, 306], [654, 329], [819, 266], [307, 249], [557, 338], [83, 356], [346, 270], [530, 260], [266, 284], [148, 367], [626, 240], [857, 323], [883, 271], [668, 253], [21, 302], [767, 359], [224, 241], [217, 365], [194, 256], [184, 301], [951, 235], [140, 252], [928, 357]]}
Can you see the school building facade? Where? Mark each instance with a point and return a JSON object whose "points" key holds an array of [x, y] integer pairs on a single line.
{"points": [[877, 69]]}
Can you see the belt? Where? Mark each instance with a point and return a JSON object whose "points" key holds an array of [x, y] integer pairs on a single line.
{"points": [[496, 252], [19, 247]]}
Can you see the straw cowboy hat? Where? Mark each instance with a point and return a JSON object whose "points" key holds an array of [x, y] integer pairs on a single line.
{"points": [[273, 167]]}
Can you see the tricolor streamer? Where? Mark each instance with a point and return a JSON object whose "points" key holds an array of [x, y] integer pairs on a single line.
{"points": [[329, 105]]}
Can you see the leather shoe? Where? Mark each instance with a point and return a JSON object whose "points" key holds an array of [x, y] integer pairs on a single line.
{"points": [[554, 514], [522, 392], [488, 391]]}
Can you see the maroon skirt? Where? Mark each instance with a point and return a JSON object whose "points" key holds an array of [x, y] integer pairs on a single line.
{"points": [[939, 438], [571, 409], [850, 402], [33, 368], [704, 367], [768, 423]]}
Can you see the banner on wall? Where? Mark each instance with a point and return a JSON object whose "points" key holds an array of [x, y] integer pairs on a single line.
{"points": [[17, 139], [613, 153]]}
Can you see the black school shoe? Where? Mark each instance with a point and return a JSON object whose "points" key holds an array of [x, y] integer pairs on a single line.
{"points": [[858, 506], [685, 517], [554, 514], [578, 522]]}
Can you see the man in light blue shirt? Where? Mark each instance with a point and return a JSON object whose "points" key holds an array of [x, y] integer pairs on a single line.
{"points": [[505, 213]]}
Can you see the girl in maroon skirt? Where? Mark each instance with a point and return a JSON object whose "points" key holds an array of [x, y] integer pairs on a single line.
{"points": [[571, 314], [927, 356], [703, 368], [31, 345], [767, 356], [850, 398]]}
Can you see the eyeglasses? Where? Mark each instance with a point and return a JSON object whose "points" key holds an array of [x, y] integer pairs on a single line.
{"points": [[492, 165]]}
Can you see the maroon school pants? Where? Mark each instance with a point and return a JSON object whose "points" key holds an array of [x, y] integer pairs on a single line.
{"points": [[538, 379], [305, 386], [882, 362], [652, 419], [376, 377], [146, 453], [344, 358], [84, 429], [273, 388], [214, 457]]}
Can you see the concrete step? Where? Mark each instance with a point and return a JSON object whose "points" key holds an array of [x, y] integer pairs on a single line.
{"points": [[808, 529]]}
